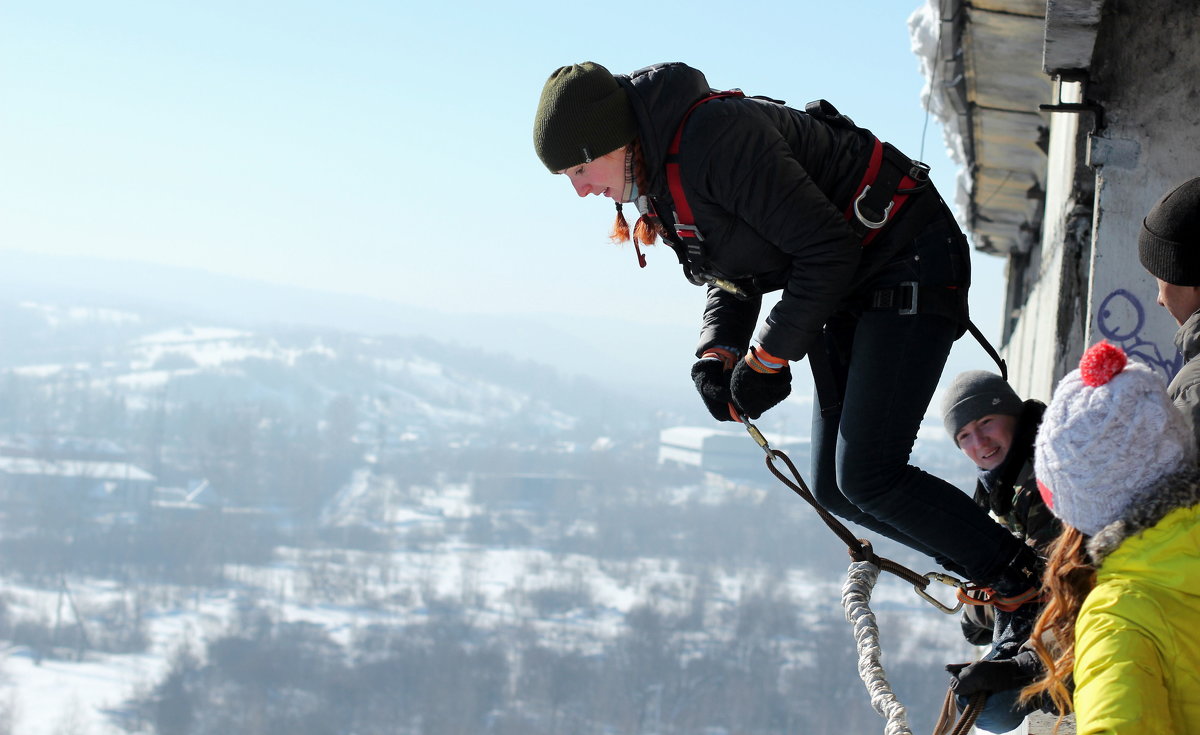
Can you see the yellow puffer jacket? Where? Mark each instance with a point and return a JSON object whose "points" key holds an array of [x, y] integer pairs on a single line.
{"points": [[1137, 639]]}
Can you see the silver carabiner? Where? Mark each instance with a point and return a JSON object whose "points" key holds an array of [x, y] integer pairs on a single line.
{"points": [[944, 579]]}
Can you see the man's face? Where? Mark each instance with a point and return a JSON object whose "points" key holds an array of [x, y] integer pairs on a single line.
{"points": [[1180, 301], [986, 440]]}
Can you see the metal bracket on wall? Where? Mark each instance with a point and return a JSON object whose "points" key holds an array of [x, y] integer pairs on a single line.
{"points": [[1077, 107]]}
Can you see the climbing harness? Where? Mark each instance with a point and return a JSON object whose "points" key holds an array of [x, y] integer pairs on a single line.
{"points": [[910, 298], [856, 595], [887, 183], [978, 596], [688, 242], [890, 178]]}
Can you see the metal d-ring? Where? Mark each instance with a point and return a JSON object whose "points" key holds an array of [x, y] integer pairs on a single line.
{"points": [[869, 224]]}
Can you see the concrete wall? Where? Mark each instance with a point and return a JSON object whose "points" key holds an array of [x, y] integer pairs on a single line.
{"points": [[1085, 282], [1147, 64], [1047, 329]]}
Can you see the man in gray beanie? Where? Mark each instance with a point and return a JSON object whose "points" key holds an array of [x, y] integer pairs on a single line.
{"points": [[1169, 249], [996, 430]]}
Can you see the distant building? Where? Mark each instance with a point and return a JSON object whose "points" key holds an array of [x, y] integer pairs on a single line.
{"points": [[25, 445], [727, 452], [105, 484]]}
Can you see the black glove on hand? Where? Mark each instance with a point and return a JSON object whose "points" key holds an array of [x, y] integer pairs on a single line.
{"points": [[711, 377], [977, 624], [995, 675], [757, 388]]}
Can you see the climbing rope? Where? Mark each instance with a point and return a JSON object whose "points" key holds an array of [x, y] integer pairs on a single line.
{"points": [[860, 549], [856, 597]]}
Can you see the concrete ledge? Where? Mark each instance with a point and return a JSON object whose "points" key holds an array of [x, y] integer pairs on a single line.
{"points": [[1040, 723]]}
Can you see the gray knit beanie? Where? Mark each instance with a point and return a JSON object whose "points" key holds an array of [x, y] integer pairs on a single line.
{"points": [[1109, 435], [582, 115], [1169, 243], [975, 394]]}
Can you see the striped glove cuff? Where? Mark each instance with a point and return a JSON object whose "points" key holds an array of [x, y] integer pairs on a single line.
{"points": [[761, 361], [727, 355]]}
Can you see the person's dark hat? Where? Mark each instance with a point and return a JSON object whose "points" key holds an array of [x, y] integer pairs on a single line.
{"points": [[975, 394], [1169, 243], [582, 115]]}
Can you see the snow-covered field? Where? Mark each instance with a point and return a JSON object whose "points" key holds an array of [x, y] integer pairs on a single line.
{"points": [[62, 697]]}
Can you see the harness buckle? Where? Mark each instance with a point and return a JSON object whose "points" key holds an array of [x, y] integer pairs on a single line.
{"points": [[871, 224], [691, 230], [911, 290]]}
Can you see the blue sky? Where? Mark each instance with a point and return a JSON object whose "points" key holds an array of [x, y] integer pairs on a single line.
{"points": [[384, 148]]}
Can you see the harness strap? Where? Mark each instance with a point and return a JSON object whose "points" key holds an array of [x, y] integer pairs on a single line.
{"points": [[829, 392], [885, 186], [685, 221], [911, 298], [889, 180]]}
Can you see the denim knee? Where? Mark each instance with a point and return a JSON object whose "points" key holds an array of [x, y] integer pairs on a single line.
{"points": [[868, 483], [1000, 713]]}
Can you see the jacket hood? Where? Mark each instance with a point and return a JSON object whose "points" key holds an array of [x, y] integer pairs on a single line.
{"points": [[1175, 492], [1187, 339], [660, 95]]}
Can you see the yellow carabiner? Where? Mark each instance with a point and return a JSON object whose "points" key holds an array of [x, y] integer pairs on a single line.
{"points": [[944, 579]]}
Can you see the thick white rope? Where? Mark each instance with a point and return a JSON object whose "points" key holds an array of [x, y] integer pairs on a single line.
{"points": [[856, 596]]}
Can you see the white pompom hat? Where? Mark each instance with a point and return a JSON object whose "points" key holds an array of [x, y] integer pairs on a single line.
{"points": [[1108, 436]]}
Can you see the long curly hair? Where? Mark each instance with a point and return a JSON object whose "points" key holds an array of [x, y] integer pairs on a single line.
{"points": [[647, 229], [1070, 575]]}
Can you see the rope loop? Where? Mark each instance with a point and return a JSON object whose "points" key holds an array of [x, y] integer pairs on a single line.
{"points": [[864, 552]]}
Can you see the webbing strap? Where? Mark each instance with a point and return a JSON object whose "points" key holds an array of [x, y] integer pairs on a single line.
{"points": [[911, 298], [685, 221], [880, 194], [877, 198]]}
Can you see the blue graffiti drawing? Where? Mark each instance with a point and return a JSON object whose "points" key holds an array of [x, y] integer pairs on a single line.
{"points": [[1120, 320]]}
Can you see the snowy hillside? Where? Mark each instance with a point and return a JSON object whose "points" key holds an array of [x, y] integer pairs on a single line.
{"points": [[478, 543], [570, 603], [397, 385]]}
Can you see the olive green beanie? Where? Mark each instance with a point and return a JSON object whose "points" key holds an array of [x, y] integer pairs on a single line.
{"points": [[582, 115]]}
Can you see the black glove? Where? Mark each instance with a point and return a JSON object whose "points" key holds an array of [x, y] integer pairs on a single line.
{"points": [[755, 392], [977, 624], [995, 675], [712, 380]]}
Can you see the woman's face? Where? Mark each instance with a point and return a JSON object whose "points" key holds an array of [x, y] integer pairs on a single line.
{"points": [[603, 176]]}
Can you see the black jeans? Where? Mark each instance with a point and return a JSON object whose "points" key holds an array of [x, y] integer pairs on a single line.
{"points": [[885, 367]]}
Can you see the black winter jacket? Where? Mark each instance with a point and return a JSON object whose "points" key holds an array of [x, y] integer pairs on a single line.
{"points": [[768, 186]]}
